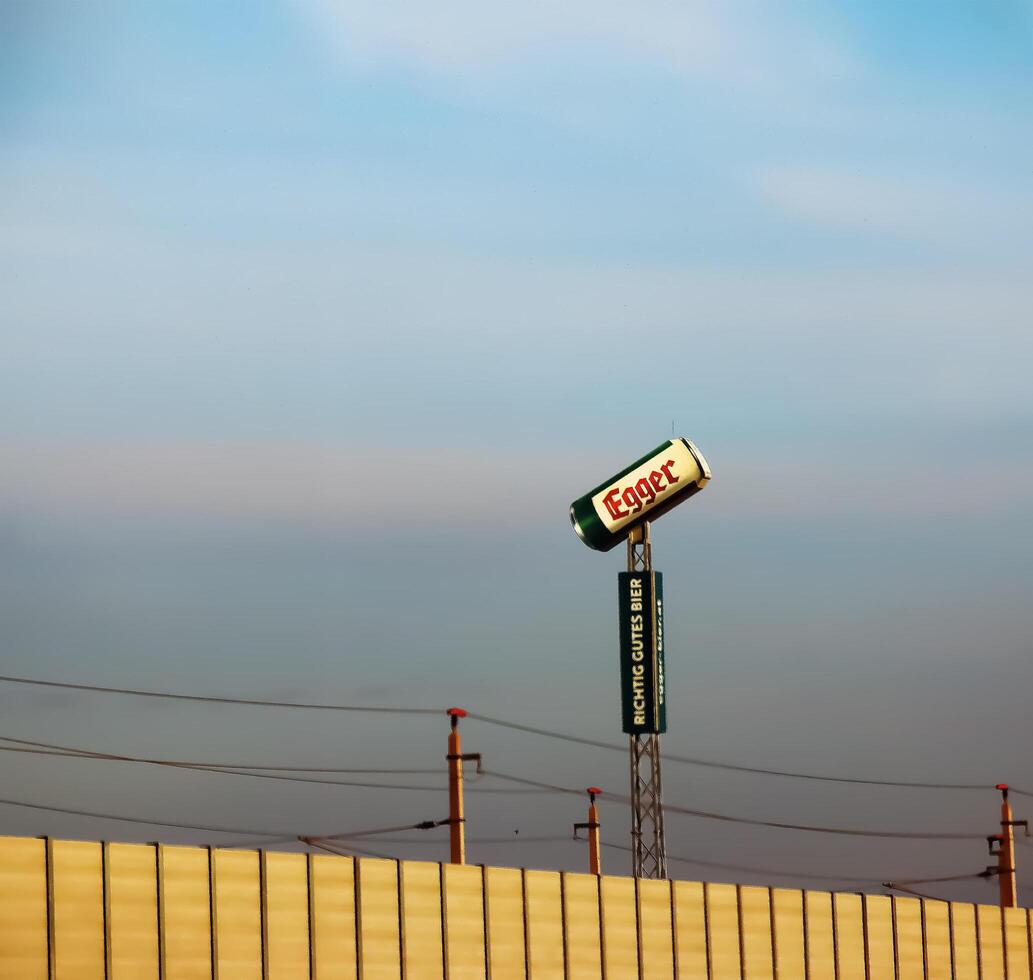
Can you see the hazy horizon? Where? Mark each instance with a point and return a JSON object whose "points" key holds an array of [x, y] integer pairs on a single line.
{"points": [[316, 316]]}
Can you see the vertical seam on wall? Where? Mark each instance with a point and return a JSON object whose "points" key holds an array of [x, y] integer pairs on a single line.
{"points": [[263, 916], [484, 916], [706, 929], [806, 937], [399, 884], [893, 920], [835, 936], [312, 969], [159, 905], [563, 922], [675, 960], [527, 937], [950, 938], [864, 937], [774, 935], [1029, 943], [1004, 943], [105, 918], [638, 929], [356, 911], [49, 870], [925, 943], [443, 918], [213, 952], [979, 943], [669, 885], [739, 930]]}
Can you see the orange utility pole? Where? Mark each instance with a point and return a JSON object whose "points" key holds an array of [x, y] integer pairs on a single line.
{"points": [[594, 862], [1006, 851], [456, 818]]}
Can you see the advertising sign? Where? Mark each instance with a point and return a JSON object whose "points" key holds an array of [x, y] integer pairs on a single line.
{"points": [[649, 487], [640, 601]]}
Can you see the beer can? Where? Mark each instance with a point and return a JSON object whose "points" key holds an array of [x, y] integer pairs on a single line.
{"points": [[649, 487]]}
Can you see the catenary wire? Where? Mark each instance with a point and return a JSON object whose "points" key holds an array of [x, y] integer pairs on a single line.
{"points": [[94, 753], [503, 723], [711, 764], [212, 699], [751, 821], [66, 752], [321, 844], [140, 820], [749, 869], [279, 836]]}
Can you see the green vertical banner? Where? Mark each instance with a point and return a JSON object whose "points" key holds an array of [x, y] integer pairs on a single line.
{"points": [[641, 610]]}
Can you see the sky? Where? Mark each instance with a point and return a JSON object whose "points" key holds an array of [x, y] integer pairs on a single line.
{"points": [[315, 317]]}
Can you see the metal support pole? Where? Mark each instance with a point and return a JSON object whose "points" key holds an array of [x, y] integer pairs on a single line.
{"points": [[649, 851], [594, 862], [456, 819], [1006, 852]]}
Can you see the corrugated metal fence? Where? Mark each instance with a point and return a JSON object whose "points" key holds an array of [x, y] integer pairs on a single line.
{"points": [[75, 910]]}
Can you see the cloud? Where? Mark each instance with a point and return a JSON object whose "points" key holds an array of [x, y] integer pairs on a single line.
{"points": [[403, 485], [735, 40], [917, 208]]}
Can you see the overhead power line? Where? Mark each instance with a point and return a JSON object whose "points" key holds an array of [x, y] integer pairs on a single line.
{"points": [[218, 770], [67, 752], [752, 821], [277, 835], [96, 754], [211, 699], [513, 726], [749, 869], [25, 804], [731, 767]]}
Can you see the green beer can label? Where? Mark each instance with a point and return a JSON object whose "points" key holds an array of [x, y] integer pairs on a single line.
{"points": [[649, 487]]}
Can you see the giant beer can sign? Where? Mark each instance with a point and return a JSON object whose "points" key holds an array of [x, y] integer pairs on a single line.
{"points": [[643, 695], [649, 487]]}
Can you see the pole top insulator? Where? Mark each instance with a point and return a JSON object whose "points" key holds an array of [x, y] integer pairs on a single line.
{"points": [[456, 712], [1003, 787], [594, 790]]}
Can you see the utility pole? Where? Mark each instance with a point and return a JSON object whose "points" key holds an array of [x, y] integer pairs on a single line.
{"points": [[456, 818], [1006, 850], [649, 851], [594, 863]]}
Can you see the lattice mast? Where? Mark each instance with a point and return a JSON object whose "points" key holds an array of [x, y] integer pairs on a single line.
{"points": [[649, 851]]}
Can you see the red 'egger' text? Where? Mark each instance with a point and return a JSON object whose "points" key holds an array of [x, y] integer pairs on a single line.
{"points": [[640, 494]]}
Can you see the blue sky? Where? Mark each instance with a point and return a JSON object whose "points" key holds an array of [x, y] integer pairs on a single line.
{"points": [[300, 299]]}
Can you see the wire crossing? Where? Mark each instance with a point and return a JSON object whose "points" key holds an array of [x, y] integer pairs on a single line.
{"points": [[502, 723]]}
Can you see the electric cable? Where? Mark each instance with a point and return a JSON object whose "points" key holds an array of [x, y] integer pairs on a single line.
{"points": [[278, 836], [748, 869], [755, 822], [321, 844], [514, 726], [212, 699], [988, 873], [147, 822], [94, 753], [711, 764], [902, 886], [67, 752]]}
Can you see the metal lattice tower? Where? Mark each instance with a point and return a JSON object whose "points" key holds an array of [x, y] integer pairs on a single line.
{"points": [[649, 852]]}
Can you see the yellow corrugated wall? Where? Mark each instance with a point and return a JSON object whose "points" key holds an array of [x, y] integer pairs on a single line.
{"points": [[76, 910]]}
